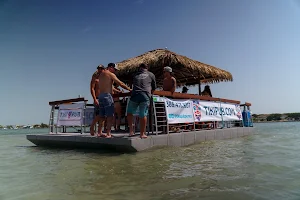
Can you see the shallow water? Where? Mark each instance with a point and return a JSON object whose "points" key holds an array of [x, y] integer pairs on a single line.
{"points": [[263, 166]]}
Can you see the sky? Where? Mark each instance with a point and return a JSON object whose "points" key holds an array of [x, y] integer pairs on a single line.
{"points": [[49, 49]]}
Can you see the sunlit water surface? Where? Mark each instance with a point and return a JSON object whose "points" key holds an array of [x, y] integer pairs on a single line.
{"points": [[263, 166]]}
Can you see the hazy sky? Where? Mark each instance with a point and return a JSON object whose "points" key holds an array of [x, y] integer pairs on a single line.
{"points": [[49, 49]]}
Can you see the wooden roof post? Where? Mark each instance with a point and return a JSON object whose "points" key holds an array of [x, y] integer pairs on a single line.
{"points": [[199, 87], [199, 84]]}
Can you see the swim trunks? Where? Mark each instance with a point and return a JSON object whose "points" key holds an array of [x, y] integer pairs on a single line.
{"points": [[141, 101], [106, 105]]}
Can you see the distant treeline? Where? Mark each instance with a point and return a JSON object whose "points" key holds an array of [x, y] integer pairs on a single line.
{"points": [[42, 125], [277, 117]]}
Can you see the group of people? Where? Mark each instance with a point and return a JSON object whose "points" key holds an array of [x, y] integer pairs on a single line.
{"points": [[105, 83], [102, 88], [205, 92]]}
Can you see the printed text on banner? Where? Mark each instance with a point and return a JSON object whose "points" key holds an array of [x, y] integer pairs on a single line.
{"points": [[214, 111], [179, 111], [70, 115]]}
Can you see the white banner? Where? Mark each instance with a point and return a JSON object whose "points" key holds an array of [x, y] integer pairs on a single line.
{"points": [[215, 111], [179, 111], [89, 116], [70, 114]]}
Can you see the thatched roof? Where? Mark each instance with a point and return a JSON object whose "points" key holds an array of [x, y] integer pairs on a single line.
{"points": [[185, 70]]}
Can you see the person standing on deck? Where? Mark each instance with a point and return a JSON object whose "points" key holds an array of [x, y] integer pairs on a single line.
{"points": [[206, 91], [169, 83], [95, 91], [118, 109], [144, 84], [106, 102]]}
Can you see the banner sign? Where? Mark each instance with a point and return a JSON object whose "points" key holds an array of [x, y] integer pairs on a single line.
{"points": [[179, 111], [70, 114], [89, 116], [216, 111], [190, 111]]}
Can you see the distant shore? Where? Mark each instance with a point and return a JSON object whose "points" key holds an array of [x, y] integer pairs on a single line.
{"points": [[259, 122], [276, 117]]}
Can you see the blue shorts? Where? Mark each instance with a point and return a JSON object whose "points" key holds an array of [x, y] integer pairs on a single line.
{"points": [[141, 102], [106, 105]]}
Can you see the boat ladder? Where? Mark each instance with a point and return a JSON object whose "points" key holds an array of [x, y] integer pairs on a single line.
{"points": [[160, 117]]}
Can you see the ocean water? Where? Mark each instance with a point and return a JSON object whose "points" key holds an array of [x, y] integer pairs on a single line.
{"points": [[263, 166]]}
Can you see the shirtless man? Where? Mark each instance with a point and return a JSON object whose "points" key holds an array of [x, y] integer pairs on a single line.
{"points": [[95, 91], [169, 83], [106, 102]]}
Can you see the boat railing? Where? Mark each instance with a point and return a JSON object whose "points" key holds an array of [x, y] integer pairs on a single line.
{"points": [[157, 119]]}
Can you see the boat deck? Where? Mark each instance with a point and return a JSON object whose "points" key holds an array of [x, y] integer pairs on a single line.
{"points": [[123, 143]]}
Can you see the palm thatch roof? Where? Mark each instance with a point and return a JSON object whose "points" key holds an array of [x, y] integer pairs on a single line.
{"points": [[185, 70]]}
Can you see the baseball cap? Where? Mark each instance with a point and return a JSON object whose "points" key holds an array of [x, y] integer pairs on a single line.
{"points": [[168, 69], [113, 65], [100, 67]]}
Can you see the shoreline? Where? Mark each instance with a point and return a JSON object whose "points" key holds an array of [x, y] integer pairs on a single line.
{"points": [[274, 121]]}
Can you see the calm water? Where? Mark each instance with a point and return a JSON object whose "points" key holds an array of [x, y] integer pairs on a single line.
{"points": [[263, 166]]}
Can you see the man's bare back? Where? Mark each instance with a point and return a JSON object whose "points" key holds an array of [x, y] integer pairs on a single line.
{"points": [[105, 82]]}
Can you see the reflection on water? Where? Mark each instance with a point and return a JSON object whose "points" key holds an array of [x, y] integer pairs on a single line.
{"points": [[263, 166]]}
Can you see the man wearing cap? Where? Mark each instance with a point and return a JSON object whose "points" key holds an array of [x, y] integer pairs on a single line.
{"points": [[95, 91], [169, 83], [144, 84], [106, 102]]}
